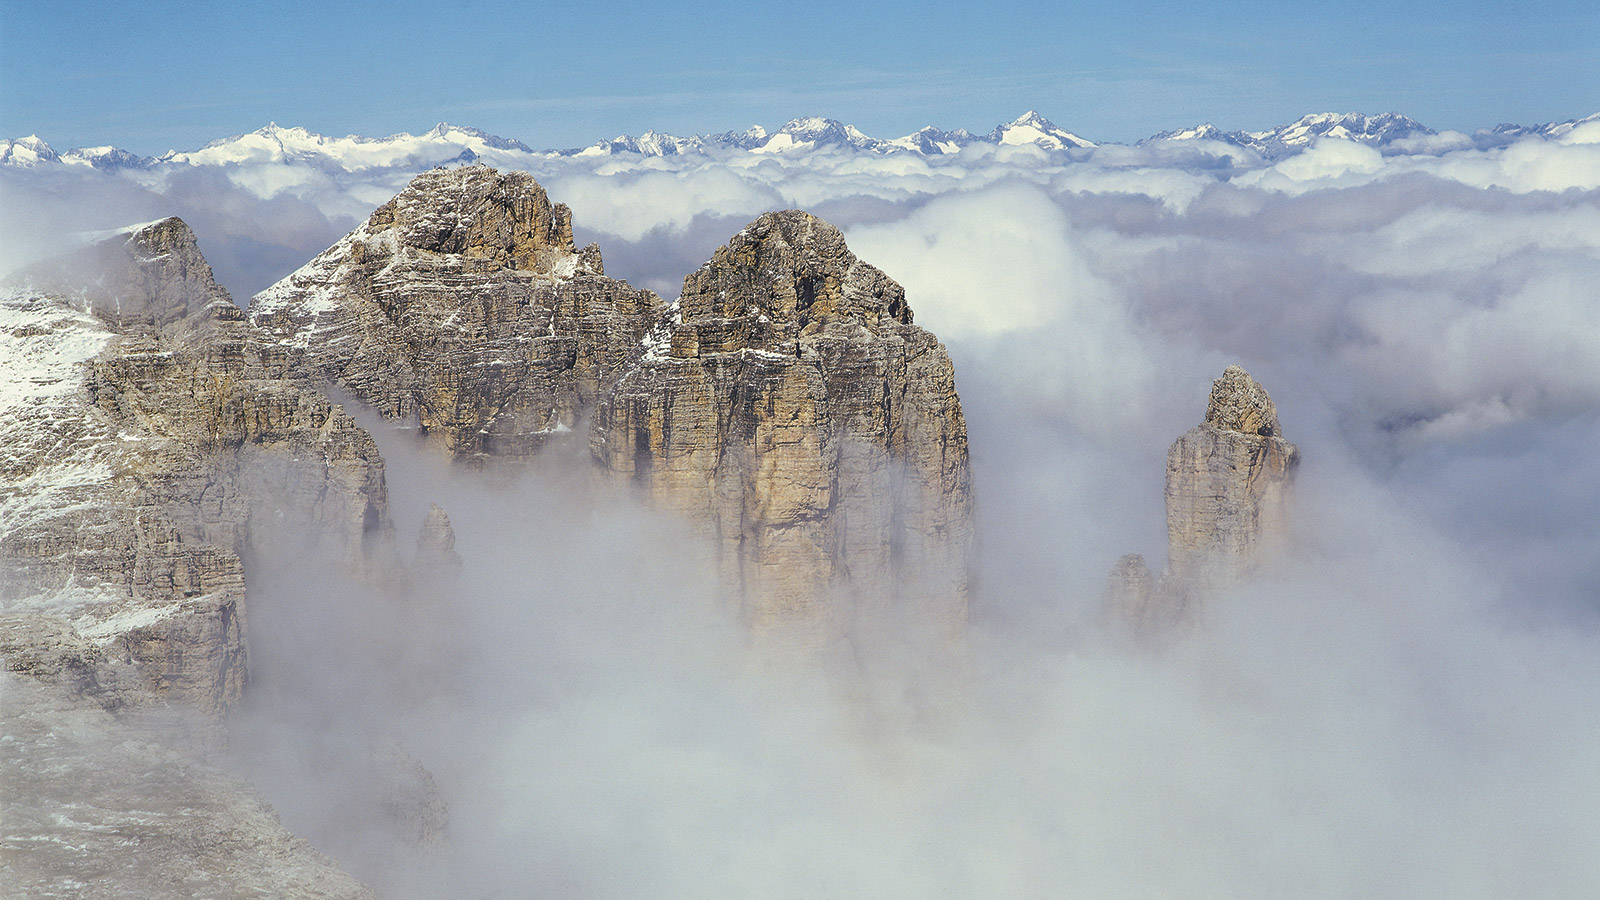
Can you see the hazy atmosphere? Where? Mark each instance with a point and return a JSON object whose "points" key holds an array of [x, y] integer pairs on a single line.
{"points": [[1403, 701]]}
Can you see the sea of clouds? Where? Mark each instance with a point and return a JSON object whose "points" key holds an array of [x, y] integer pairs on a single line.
{"points": [[1405, 703]]}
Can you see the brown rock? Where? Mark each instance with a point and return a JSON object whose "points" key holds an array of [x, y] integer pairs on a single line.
{"points": [[462, 306], [152, 447], [1227, 484], [1227, 489], [789, 406]]}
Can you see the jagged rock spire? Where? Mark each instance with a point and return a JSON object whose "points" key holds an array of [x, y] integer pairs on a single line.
{"points": [[1239, 403], [788, 405], [1227, 482], [436, 545], [1226, 494]]}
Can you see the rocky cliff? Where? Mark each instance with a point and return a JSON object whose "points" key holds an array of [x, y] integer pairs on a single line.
{"points": [[787, 404], [153, 450], [1227, 489], [1227, 483], [462, 305], [152, 446]]}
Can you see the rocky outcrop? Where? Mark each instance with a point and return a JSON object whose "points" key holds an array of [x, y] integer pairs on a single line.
{"points": [[153, 447], [788, 405], [436, 555], [409, 803], [48, 649], [462, 306], [1227, 484], [785, 402], [1227, 487]]}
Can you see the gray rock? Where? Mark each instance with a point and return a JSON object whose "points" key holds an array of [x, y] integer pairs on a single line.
{"points": [[152, 446], [99, 809], [1227, 493], [436, 554], [462, 306], [788, 405]]}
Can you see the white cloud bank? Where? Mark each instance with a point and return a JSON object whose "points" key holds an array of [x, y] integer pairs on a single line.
{"points": [[1406, 705]]}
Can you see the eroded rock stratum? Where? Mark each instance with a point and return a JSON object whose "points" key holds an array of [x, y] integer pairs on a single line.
{"points": [[153, 448], [1227, 493], [152, 444], [788, 405], [785, 404], [462, 306]]}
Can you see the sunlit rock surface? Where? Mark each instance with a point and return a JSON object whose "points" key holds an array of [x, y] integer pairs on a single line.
{"points": [[462, 306], [1227, 493], [151, 446], [789, 406], [1227, 484]]}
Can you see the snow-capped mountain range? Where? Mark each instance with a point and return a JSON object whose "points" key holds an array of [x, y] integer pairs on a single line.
{"points": [[445, 143], [1288, 139], [812, 133]]}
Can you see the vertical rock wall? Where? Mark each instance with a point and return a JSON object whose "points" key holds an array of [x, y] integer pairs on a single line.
{"points": [[462, 306], [1227, 492], [789, 406], [143, 472]]}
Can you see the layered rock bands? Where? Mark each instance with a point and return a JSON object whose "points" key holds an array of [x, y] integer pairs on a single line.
{"points": [[785, 404], [1227, 490], [462, 306], [151, 445], [789, 405]]}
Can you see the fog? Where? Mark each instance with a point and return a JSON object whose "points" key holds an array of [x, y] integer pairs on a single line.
{"points": [[1404, 703]]}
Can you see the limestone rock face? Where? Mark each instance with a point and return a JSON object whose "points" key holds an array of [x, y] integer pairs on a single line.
{"points": [[48, 649], [1227, 483], [409, 802], [788, 405], [151, 447], [171, 281], [461, 305], [1239, 403]]}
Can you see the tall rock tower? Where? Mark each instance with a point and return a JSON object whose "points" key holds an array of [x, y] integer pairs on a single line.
{"points": [[1228, 481], [462, 306], [789, 405], [785, 403]]}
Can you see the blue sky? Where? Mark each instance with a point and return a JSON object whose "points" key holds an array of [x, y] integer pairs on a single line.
{"points": [[155, 76]]}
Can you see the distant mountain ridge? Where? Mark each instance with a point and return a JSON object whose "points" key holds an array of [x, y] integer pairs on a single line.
{"points": [[445, 143], [1285, 140], [814, 132]]}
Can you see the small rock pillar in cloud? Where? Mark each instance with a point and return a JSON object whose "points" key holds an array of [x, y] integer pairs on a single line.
{"points": [[1227, 495]]}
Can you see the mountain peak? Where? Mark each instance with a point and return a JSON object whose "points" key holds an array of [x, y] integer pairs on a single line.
{"points": [[27, 152], [1032, 128], [1239, 403]]}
